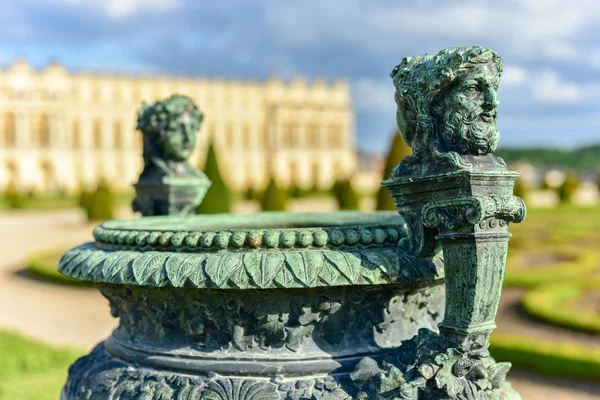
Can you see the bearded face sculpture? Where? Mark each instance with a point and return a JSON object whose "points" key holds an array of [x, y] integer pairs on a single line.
{"points": [[448, 108], [469, 110]]}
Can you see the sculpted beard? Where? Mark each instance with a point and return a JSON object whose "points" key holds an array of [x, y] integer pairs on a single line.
{"points": [[469, 134]]}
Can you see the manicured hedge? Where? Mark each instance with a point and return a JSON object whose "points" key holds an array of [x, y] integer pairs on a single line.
{"points": [[582, 263], [567, 360], [551, 303]]}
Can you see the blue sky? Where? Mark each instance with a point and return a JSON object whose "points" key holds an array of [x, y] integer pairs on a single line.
{"points": [[549, 92]]}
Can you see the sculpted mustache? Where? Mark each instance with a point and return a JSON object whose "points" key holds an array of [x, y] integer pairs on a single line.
{"points": [[471, 116]]}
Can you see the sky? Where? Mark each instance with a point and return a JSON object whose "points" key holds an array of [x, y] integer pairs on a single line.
{"points": [[549, 90]]}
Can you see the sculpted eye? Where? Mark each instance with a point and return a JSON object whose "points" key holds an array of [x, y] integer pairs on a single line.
{"points": [[471, 89]]}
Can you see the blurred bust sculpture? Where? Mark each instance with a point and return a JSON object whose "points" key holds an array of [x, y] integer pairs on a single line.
{"points": [[169, 130], [447, 109], [168, 183]]}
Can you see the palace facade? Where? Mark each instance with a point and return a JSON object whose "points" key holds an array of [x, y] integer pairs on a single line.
{"points": [[61, 130]]}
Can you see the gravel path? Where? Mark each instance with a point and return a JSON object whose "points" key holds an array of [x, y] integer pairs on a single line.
{"points": [[77, 317], [80, 317]]}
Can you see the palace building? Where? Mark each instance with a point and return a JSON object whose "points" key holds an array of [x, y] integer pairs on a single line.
{"points": [[60, 130]]}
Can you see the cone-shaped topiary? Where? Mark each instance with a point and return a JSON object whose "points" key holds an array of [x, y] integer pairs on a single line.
{"points": [[398, 151], [218, 197], [85, 200], [520, 189], [101, 204], [345, 195], [295, 191], [568, 188], [14, 199], [274, 198]]}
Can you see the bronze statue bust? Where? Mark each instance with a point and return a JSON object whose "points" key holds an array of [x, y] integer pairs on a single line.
{"points": [[169, 128], [448, 108]]}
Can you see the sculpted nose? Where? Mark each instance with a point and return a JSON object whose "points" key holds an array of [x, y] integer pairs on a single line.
{"points": [[491, 99], [187, 135]]}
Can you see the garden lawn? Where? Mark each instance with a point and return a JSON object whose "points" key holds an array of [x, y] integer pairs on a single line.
{"points": [[44, 265], [31, 370]]}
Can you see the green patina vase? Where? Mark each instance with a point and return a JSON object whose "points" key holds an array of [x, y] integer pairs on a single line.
{"points": [[263, 306], [342, 305]]}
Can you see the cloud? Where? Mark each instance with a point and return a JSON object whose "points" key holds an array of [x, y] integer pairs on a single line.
{"points": [[118, 9], [371, 95], [514, 75], [550, 47], [126, 8], [549, 87]]}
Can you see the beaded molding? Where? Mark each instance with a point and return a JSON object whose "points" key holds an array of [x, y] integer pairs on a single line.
{"points": [[364, 236]]}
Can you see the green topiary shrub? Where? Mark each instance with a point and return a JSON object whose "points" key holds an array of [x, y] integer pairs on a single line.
{"points": [[101, 204], [251, 194], [345, 195], [13, 198], [218, 197], [295, 191], [274, 198], [568, 188], [398, 150], [85, 200], [520, 189]]}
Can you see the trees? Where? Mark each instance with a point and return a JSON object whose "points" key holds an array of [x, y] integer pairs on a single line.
{"points": [[218, 197], [99, 205], [345, 195], [520, 189], [274, 198], [568, 188], [13, 198], [398, 150]]}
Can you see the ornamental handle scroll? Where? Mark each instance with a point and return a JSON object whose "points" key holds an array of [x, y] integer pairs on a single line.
{"points": [[457, 213]]}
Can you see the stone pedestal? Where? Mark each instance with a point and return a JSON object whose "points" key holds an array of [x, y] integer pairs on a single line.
{"points": [[170, 196]]}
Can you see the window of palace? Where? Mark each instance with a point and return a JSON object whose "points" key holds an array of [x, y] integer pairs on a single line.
{"points": [[227, 100], [96, 95], [229, 139], [118, 135], [245, 139], [289, 135], [76, 135], [75, 93], [10, 137], [208, 132], [116, 95], [261, 136], [44, 131], [313, 138], [210, 99], [333, 135], [97, 134], [317, 171], [136, 95], [139, 140]]}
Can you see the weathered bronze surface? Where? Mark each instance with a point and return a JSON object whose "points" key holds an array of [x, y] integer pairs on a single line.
{"points": [[169, 185], [456, 196], [324, 306]]}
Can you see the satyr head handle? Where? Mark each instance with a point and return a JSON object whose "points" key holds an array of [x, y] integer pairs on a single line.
{"points": [[447, 110]]}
